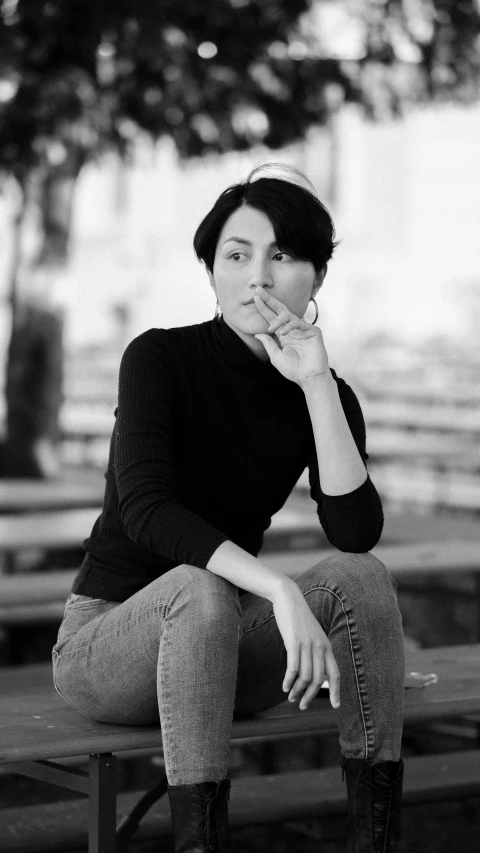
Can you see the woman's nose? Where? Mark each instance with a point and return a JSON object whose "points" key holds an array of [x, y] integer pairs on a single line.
{"points": [[261, 275]]}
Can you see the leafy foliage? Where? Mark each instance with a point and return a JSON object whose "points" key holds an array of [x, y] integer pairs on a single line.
{"points": [[442, 36], [79, 75], [84, 74]]}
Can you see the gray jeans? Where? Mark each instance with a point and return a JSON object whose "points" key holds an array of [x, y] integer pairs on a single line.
{"points": [[190, 652]]}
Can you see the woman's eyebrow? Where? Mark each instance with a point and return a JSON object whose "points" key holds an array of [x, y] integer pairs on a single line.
{"points": [[246, 242]]}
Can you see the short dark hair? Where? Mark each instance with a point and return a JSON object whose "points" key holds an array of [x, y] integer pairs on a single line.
{"points": [[301, 223]]}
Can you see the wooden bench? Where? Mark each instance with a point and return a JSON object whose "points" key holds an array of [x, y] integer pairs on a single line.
{"points": [[40, 596], [66, 529], [28, 495], [38, 730], [432, 419]]}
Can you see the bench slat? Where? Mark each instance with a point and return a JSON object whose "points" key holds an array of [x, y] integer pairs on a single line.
{"points": [[60, 827], [402, 559], [22, 615], [68, 528], [30, 495], [35, 587], [406, 559], [35, 723]]}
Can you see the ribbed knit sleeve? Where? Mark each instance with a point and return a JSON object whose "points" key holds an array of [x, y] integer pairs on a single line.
{"points": [[354, 521], [150, 385]]}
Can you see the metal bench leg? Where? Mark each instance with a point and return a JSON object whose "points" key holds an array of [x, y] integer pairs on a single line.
{"points": [[102, 803], [131, 822]]}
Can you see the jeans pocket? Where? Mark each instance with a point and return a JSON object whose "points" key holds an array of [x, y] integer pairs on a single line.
{"points": [[75, 601], [56, 660], [79, 611]]}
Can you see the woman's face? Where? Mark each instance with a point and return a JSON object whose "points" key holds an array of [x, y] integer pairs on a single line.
{"points": [[247, 256]]}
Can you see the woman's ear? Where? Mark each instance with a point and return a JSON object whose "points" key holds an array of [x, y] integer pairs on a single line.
{"points": [[319, 279]]}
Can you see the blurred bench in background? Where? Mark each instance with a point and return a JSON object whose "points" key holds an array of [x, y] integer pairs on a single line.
{"points": [[36, 597], [25, 495], [67, 528], [439, 418], [445, 569]]}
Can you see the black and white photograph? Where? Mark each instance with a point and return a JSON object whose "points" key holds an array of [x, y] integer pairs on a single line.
{"points": [[239, 426]]}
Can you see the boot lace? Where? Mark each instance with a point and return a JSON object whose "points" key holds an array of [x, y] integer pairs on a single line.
{"points": [[214, 813]]}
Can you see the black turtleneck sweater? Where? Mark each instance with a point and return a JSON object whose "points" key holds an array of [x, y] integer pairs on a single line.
{"points": [[208, 443]]}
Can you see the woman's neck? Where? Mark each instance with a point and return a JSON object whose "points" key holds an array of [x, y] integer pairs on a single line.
{"points": [[250, 341]]}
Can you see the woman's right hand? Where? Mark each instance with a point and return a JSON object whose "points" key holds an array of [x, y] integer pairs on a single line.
{"points": [[310, 658]]}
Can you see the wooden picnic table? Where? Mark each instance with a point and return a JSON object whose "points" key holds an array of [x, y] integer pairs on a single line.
{"points": [[30, 495], [89, 425], [421, 558], [26, 495], [86, 423], [27, 598], [418, 559], [48, 530], [68, 528], [423, 393], [438, 418], [388, 444], [434, 488], [298, 518]]}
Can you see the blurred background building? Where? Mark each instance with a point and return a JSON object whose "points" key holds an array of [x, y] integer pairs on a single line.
{"points": [[120, 127], [406, 209]]}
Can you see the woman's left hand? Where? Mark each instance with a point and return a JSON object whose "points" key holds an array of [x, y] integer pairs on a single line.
{"points": [[298, 351]]}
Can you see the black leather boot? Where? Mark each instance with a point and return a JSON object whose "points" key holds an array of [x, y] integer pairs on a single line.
{"points": [[374, 805], [200, 817]]}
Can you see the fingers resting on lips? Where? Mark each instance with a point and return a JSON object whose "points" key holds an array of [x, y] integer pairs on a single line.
{"points": [[277, 315]]}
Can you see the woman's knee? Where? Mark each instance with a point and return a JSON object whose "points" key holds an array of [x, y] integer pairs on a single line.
{"points": [[357, 578], [205, 596], [369, 568], [348, 565]]}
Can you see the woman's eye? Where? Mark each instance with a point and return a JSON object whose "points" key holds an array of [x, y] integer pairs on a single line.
{"points": [[282, 256], [236, 256]]}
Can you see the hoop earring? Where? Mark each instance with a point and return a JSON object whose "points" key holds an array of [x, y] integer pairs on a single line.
{"points": [[316, 311], [218, 312]]}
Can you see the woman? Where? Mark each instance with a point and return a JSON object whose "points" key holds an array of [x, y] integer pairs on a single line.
{"points": [[173, 616]]}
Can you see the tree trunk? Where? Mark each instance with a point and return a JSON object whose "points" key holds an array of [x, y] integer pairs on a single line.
{"points": [[34, 381], [33, 394]]}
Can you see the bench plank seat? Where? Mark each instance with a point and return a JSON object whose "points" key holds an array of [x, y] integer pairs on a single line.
{"points": [[36, 723], [59, 827]]}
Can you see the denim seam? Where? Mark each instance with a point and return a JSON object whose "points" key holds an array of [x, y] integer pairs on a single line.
{"points": [[254, 628], [165, 705], [81, 605], [109, 633], [352, 651], [360, 698], [68, 700]]}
